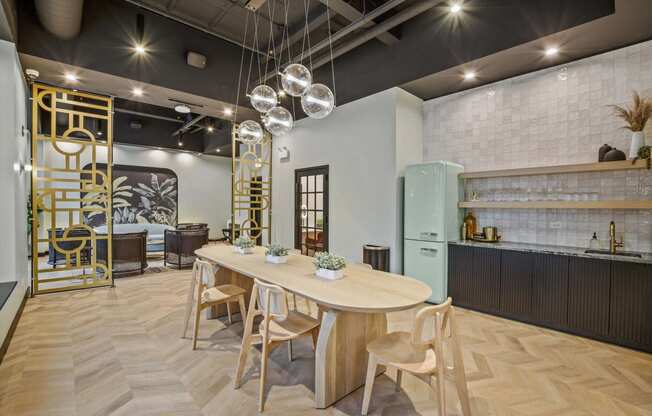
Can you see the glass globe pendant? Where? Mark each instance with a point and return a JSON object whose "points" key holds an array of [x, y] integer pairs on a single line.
{"points": [[263, 98], [296, 79], [318, 101], [278, 121], [250, 132]]}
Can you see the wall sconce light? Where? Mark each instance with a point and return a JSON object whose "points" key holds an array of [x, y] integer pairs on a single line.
{"points": [[284, 153], [22, 168]]}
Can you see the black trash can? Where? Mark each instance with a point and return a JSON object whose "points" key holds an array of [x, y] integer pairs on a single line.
{"points": [[376, 256]]}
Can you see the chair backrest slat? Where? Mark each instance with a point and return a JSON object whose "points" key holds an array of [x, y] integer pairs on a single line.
{"points": [[441, 314], [203, 272], [272, 299]]}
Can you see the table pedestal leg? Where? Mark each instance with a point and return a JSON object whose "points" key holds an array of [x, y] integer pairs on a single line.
{"points": [[341, 356]]}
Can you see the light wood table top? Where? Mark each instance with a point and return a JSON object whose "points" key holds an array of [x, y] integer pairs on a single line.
{"points": [[361, 289]]}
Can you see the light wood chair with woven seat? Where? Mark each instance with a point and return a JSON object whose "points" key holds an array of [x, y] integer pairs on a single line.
{"points": [[206, 297], [422, 357], [279, 325]]}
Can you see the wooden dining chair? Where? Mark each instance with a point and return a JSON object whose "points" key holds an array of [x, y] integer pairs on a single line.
{"points": [[279, 325], [205, 297], [422, 357]]}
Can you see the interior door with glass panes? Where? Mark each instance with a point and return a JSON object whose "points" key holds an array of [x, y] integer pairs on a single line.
{"points": [[311, 210]]}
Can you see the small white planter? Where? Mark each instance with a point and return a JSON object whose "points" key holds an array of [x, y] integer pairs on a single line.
{"points": [[240, 250], [276, 259], [330, 274], [638, 140]]}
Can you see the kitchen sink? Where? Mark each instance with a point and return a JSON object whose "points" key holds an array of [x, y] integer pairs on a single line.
{"points": [[608, 253]]}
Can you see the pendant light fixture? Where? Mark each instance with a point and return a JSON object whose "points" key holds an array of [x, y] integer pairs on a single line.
{"points": [[295, 80]]}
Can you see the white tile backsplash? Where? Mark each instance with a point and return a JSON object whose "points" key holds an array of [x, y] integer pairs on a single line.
{"points": [[538, 120]]}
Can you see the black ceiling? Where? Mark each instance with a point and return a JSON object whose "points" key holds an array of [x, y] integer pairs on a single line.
{"points": [[429, 43]]}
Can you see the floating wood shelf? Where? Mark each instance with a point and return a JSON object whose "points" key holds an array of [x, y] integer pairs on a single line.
{"points": [[549, 170], [558, 204]]}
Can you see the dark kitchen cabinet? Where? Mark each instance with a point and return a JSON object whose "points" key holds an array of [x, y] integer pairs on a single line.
{"points": [[589, 283], [485, 287], [631, 303], [550, 290], [460, 275], [516, 284], [474, 277]]}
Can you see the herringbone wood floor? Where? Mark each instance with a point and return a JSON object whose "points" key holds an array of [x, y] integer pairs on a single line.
{"points": [[118, 352]]}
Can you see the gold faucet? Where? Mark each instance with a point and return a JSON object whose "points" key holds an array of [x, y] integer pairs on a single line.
{"points": [[613, 243]]}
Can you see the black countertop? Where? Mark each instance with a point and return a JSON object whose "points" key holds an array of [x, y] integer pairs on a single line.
{"points": [[551, 249]]}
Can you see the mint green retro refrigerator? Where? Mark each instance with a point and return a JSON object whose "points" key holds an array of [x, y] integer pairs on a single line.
{"points": [[431, 218]]}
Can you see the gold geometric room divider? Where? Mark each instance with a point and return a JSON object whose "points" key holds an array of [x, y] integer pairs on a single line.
{"points": [[70, 129], [251, 188]]}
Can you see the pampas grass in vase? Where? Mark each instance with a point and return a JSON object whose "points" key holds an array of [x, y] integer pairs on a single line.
{"points": [[636, 117]]}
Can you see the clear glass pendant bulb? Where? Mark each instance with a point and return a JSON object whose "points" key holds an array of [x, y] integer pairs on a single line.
{"points": [[263, 98], [278, 121], [250, 132], [318, 101], [296, 79]]}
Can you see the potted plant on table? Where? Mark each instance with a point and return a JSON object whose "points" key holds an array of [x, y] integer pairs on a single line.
{"points": [[276, 254], [636, 117], [243, 245], [329, 266]]}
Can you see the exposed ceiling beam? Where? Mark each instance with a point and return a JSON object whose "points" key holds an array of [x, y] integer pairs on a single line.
{"points": [[315, 20], [195, 25], [139, 113], [400, 17], [189, 124], [359, 23], [352, 14]]}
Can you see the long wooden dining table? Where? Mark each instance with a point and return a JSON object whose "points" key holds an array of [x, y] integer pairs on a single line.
{"points": [[354, 308]]}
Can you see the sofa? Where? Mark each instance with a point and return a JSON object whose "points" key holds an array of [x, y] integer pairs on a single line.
{"points": [[155, 233]]}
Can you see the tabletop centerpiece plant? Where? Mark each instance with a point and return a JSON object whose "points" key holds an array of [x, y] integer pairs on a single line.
{"points": [[329, 266], [243, 245], [635, 117], [276, 254]]}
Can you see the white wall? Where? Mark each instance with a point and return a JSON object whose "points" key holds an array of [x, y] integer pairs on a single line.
{"points": [[366, 144], [14, 148], [541, 119], [204, 182]]}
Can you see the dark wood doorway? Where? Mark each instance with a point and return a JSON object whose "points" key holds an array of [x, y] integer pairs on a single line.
{"points": [[311, 210]]}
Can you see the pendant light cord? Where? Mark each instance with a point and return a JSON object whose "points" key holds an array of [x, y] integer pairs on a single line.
{"points": [[330, 46], [242, 56]]}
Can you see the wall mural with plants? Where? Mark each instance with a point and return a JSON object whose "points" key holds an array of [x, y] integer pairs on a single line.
{"points": [[140, 195]]}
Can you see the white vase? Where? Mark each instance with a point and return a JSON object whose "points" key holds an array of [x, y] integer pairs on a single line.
{"points": [[247, 250], [638, 140], [330, 274], [276, 259]]}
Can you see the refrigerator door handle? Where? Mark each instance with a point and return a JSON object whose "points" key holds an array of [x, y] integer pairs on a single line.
{"points": [[428, 250], [428, 234]]}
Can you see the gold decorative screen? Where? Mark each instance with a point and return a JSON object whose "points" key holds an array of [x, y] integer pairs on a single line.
{"points": [[70, 129], [251, 188]]}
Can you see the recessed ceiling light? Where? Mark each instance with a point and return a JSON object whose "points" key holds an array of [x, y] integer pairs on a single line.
{"points": [[228, 111], [183, 109], [71, 77], [469, 75], [210, 129], [140, 49], [180, 143], [137, 91], [552, 51], [456, 8], [218, 150]]}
